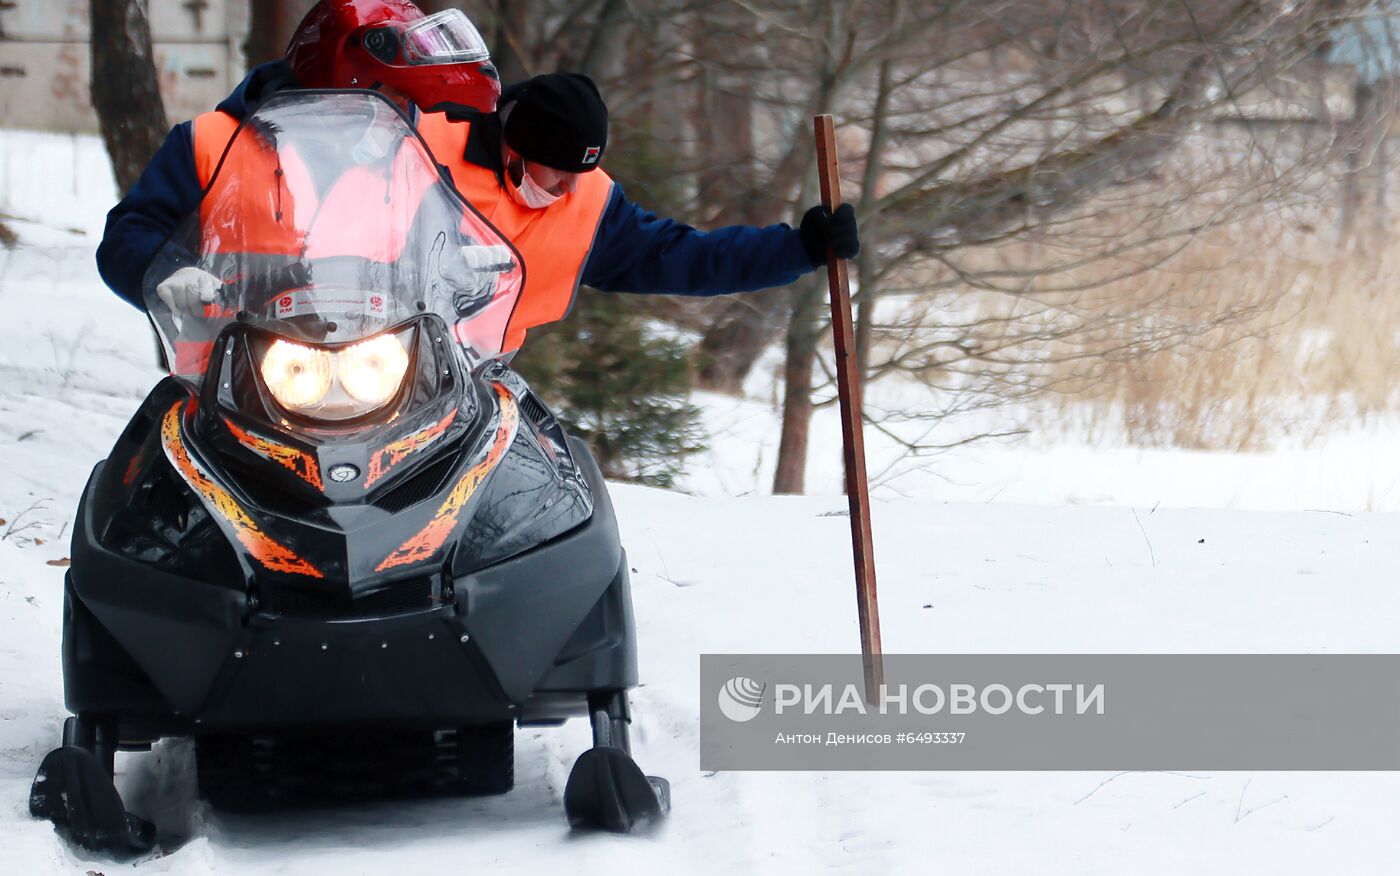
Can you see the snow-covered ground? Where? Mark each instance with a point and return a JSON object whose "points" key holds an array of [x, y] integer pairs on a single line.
{"points": [[1349, 469], [1012, 548]]}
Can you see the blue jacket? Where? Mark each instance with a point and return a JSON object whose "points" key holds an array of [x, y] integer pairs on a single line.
{"points": [[633, 251]]}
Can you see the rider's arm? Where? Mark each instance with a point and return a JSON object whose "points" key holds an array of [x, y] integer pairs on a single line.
{"points": [[139, 225], [636, 251]]}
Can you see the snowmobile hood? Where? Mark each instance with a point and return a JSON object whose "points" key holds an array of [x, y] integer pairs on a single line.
{"points": [[342, 420], [191, 496]]}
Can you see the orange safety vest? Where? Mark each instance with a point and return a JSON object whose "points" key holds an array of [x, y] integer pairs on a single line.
{"points": [[553, 242], [258, 201], [261, 219]]}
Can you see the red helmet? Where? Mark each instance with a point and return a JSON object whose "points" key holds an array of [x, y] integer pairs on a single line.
{"points": [[436, 60]]}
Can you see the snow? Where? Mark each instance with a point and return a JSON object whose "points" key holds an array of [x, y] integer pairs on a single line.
{"points": [[1028, 547], [1349, 469]]}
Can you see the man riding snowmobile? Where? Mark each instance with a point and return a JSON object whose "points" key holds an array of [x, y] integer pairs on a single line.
{"points": [[577, 228], [343, 530], [421, 62]]}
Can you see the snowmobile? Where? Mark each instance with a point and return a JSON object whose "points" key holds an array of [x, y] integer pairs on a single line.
{"points": [[343, 546]]}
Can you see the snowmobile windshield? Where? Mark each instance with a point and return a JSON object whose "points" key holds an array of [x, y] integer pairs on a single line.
{"points": [[327, 222]]}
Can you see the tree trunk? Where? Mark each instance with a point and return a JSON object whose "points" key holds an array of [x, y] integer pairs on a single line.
{"points": [[803, 332], [510, 46], [870, 185], [1355, 145], [725, 147], [270, 27], [742, 331], [803, 325], [744, 325], [865, 315], [125, 90], [602, 60], [748, 323]]}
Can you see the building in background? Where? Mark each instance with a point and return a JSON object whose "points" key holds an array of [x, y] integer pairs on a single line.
{"points": [[45, 59]]}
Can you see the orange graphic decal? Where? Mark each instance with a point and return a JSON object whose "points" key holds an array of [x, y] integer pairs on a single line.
{"points": [[433, 536], [132, 469], [301, 463], [396, 452], [275, 556]]}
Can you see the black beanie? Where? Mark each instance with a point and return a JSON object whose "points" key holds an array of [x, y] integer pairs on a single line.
{"points": [[560, 121]]}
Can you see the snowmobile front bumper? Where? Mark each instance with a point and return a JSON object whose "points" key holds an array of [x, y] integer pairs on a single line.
{"points": [[527, 638], [259, 672], [418, 669]]}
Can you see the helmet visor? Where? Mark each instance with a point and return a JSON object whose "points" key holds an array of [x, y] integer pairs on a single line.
{"points": [[447, 37]]}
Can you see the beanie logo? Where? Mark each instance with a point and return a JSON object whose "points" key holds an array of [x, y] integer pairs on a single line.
{"points": [[590, 155]]}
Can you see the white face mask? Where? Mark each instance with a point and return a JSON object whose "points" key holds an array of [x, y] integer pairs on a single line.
{"points": [[529, 194]]}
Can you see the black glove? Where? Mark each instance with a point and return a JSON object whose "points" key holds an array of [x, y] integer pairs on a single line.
{"points": [[820, 227]]}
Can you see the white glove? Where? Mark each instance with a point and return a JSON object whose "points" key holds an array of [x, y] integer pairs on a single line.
{"points": [[475, 277], [487, 259], [187, 291]]}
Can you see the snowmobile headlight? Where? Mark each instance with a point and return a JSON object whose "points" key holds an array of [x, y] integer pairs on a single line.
{"points": [[372, 371], [298, 376], [340, 383]]}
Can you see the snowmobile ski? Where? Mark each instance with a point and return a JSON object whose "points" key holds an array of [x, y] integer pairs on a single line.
{"points": [[608, 791], [75, 791]]}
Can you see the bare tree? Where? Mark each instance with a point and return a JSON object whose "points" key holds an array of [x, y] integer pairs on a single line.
{"points": [[511, 46], [125, 91], [1010, 160], [270, 27], [1013, 141]]}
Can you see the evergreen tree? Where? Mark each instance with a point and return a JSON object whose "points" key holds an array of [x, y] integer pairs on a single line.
{"points": [[618, 386]]}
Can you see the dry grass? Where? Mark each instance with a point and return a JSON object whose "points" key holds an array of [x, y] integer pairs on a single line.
{"points": [[1207, 305], [1256, 334], [1316, 347]]}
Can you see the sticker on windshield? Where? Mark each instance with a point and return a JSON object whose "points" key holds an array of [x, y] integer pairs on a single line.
{"points": [[307, 302]]}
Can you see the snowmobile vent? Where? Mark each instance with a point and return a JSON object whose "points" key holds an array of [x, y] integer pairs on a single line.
{"points": [[254, 484], [401, 597], [420, 486], [535, 411]]}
